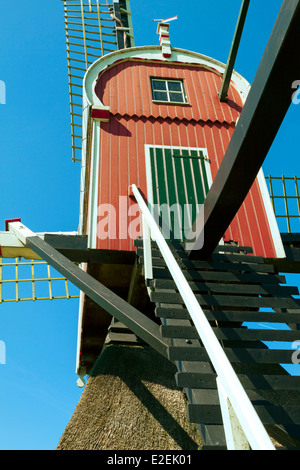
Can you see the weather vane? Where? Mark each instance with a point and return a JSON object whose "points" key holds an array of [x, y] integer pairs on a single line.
{"points": [[167, 20]]}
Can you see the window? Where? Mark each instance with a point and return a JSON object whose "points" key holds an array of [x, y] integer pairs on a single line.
{"points": [[170, 91]]}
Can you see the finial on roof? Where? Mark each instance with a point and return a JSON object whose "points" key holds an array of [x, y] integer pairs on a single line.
{"points": [[164, 36]]}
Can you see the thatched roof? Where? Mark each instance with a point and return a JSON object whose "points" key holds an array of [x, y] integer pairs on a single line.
{"points": [[130, 402]]}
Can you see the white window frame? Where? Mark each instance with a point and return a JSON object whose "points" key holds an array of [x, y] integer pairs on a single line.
{"points": [[166, 80]]}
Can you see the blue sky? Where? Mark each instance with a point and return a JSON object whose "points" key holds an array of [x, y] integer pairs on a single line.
{"points": [[40, 184]]}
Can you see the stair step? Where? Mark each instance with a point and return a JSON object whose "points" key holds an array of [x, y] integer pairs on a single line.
{"points": [[171, 311], [232, 258], [250, 382], [249, 278], [233, 249], [118, 327], [156, 253], [217, 265], [207, 401], [219, 287], [118, 333], [233, 334], [237, 258], [178, 246], [269, 414], [123, 338], [175, 247], [193, 352], [228, 300], [213, 437]]}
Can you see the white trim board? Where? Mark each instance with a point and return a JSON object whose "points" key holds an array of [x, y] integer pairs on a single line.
{"points": [[94, 185]]}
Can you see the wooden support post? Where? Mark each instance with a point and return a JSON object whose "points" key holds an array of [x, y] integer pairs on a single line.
{"points": [[234, 50], [266, 106]]}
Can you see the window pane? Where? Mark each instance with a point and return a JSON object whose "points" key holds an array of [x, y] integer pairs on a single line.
{"points": [[176, 97], [160, 95], [174, 86], [159, 85]]}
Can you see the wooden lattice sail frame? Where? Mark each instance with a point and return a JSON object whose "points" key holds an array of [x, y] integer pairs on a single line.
{"points": [[24, 276], [93, 29], [285, 197], [24, 280]]}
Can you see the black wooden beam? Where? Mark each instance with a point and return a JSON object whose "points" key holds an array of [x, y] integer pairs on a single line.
{"points": [[122, 25], [291, 263], [291, 239], [267, 104], [234, 50], [136, 321], [95, 256], [74, 247], [65, 241]]}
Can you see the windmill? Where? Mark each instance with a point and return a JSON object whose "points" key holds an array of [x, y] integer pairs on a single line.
{"points": [[111, 277]]}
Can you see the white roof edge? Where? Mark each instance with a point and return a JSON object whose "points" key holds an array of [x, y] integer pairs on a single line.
{"points": [[154, 53]]}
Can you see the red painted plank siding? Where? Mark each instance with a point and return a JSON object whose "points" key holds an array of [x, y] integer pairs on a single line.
{"points": [[135, 121], [126, 88]]}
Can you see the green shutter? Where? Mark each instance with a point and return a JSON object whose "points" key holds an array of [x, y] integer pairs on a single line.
{"points": [[180, 182]]}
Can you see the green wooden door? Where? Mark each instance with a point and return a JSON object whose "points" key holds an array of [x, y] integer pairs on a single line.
{"points": [[178, 182]]}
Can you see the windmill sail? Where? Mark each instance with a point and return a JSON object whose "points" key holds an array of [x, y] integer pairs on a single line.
{"points": [[25, 276], [23, 280], [93, 29]]}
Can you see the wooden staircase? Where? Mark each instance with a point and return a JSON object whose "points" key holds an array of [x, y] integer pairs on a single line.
{"points": [[233, 287]]}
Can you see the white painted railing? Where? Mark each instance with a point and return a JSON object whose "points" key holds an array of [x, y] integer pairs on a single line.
{"points": [[242, 426]]}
